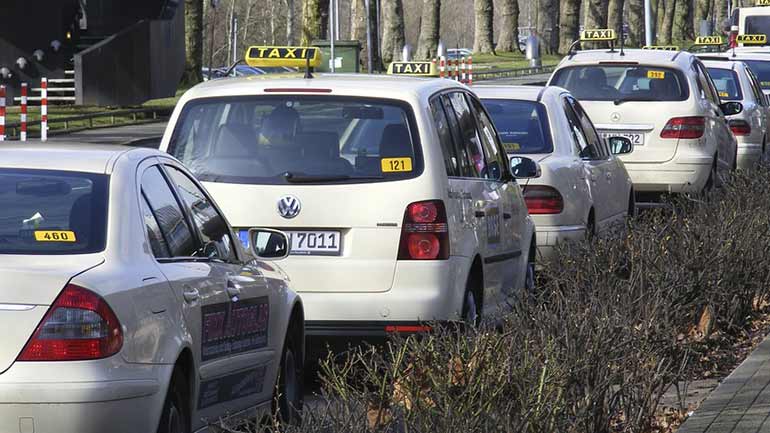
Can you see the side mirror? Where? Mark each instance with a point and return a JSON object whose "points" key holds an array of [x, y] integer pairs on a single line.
{"points": [[268, 244], [524, 168], [731, 108], [620, 145]]}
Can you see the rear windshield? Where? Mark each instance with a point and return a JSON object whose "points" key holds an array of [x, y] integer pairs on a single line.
{"points": [[297, 139], [727, 84], [522, 125], [52, 212], [622, 83], [761, 69], [757, 24]]}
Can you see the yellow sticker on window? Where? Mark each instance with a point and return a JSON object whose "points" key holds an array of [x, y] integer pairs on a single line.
{"points": [[724, 94], [396, 165], [511, 146], [55, 236], [656, 75]]}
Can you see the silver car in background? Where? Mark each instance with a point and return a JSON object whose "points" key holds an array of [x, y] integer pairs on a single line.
{"points": [[126, 302], [736, 82]]}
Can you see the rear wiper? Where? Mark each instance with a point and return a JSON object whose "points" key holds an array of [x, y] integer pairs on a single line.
{"points": [[633, 99], [306, 178]]}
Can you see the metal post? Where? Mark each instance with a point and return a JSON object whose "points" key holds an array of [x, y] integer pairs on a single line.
{"points": [[337, 18], [234, 37], [647, 22], [331, 34], [211, 36], [369, 60]]}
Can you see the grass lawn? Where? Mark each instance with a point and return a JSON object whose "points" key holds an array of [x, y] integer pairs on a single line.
{"points": [[508, 61], [65, 111]]}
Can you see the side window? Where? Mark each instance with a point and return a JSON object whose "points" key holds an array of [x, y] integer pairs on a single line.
{"points": [[467, 169], [158, 243], [451, 160], [705, 85], [168, 214], [581, 143], [595, 142], [496, 159], [756, 89], [211, 226], [470, 138]]}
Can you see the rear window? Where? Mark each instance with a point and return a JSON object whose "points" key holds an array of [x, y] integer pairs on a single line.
{"points": [[757, 24], [727, 84], [52, 212], [522, 125], [622, 83], [761, 69], [297, 139]]}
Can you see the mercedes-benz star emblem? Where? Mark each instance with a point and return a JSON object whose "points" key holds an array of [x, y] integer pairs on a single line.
{"points": [[615, 117], [289, 206]]}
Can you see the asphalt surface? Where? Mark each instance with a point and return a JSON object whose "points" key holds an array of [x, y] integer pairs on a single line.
{"points": [[144, 135], [528, 80]]}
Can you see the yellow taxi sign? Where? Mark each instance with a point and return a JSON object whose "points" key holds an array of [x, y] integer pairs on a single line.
{"points": [[751, 39], [417, 69], [708, 40], [763, 3], [296, 57], [661, 47], [598, 35]]}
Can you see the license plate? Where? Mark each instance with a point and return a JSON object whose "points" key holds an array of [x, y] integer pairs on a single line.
{"points": [[637, 138], [315, 243]]}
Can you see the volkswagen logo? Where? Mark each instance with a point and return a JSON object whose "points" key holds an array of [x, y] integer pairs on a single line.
{"points": [[289, 206]]}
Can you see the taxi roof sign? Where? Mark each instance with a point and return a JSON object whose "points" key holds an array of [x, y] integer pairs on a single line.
{"points": [[598, 35], [759, 39], [297, 57], [708, 40], [763, 3], [661, 47], [414, 69]]}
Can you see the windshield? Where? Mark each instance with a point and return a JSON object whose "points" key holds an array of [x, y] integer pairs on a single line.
{"points": [[622, 83], [757, 24], [522, 125], [761, 69], [297, 139], [52, 212], [727, 84]]}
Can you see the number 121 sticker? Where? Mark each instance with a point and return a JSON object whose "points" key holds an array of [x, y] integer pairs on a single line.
{"points": [[396, 165]]}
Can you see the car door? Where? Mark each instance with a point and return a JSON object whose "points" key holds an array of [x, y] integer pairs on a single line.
{"points": [[235, 331], [196, 284], [716, 123], [761, 112]]}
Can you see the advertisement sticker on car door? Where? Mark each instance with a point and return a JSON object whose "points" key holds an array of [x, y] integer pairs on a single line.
{"points": [[234, 327], [493, 225]]}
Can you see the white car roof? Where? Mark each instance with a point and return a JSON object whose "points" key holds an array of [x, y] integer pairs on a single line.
{"points": [[673, 59], [722, 64], [87, 158], [525, 93]]}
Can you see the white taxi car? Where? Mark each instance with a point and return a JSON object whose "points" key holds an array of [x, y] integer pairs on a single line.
{"points": [[395, 191], [584, 188], [756, 58], [735, 81], [127, 303], [665, 102]]}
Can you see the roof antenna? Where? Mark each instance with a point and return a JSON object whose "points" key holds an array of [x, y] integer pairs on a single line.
{"points": [[308, 69], [622, 38]]}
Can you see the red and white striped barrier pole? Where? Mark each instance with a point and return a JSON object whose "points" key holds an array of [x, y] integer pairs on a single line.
{"points": [[470, 71], [441, 66], [462, 69], [43, 109], [23, 117], [2, 113], [457, 69]]}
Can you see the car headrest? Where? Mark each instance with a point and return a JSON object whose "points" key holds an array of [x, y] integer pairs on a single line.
{"points": [[320, 144], [235, 140], [395, 141]]}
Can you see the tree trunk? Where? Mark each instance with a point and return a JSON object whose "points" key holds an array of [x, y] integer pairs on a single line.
{"points": [[665, 35], [702, 11], [615, 15], [290, 22], [311, 21], [393, 38], [720, 13], [508, 40], [682, 21], [358, 29], [660, 17], [569, 19], [193, 27], [484, 33], [636, 23], [429, 29], [596, 14], [548, 26]]}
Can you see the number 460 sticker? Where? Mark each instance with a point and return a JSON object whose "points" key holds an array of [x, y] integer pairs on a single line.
{"points": [[55, 236]]}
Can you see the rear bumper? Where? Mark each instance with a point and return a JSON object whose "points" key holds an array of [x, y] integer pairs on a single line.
{"points": [[549, 236], [83, 397], [684, 174], [749, 155]]}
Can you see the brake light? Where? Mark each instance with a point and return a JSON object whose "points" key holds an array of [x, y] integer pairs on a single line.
{"points": [[407, 328], [543, 200], [740, 127], [684, 127], [78, 326], [425, 232]]}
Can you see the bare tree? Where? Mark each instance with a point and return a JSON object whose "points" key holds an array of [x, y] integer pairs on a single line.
{"points": [[569, 17], [665, 35], [311, 21], [701, 12], [682, 21], [193, 23], [289, 4], [547, 25], [483, 35], [393, 38], [429, 29], [508, 40], [615, 14], [636, 22]]}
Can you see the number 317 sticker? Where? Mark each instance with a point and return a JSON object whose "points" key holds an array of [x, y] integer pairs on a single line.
{"points": [[396, 165], [55, 236]]}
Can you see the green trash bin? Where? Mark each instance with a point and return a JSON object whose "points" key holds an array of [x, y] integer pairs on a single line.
{"points": [[347, 55]]}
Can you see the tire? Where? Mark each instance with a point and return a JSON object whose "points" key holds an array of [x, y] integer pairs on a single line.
{"points": [[632, 206], [711, 182], [591, 226], [289, 394], [531, 277], [471, 314], [175, 417]]}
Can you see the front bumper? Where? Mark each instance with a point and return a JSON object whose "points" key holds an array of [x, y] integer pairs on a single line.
{"points": [[81, 397], [681, 175]]}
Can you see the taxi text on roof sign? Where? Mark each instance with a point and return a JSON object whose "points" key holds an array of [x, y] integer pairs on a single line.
{"points": [[763, 2], [708, 40], [296, 57], [418, 69], [751, 39], [661, 47], [598, 35]]}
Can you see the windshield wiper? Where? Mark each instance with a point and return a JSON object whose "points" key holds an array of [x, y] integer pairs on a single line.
{"points": [[307, 178], [633, 99]]}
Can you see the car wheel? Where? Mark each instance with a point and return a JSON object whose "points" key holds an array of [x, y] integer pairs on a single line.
{"points": [[289, 396], [711, 182], [529, 279], [470, 307], [591, 226], [175, 417]]}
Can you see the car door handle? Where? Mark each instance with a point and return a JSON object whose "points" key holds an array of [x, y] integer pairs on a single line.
{"points": [[507, 216], [191, 295], [608, 175], [479, 214], [233, 290]]}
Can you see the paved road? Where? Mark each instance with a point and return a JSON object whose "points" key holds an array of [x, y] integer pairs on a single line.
{"points": [[530, 80], [146, 135], [741, 403]]}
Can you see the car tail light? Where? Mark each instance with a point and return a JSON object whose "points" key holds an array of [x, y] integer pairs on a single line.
{"points": [[740, 127], [543, 200], [407, 328], [684, 127], [425, 232], [78, 326]]}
